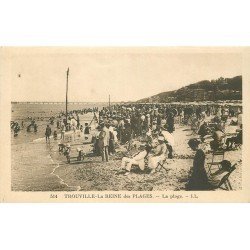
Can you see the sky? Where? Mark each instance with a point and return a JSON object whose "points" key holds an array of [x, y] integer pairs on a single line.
{"points": [[125, 75]]}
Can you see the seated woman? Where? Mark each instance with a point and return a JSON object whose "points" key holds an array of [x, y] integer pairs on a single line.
{"points": [[159, 154], [203, 131], [169, 141], [235, 140], [137, 159], [198, 179], [218, 137]]}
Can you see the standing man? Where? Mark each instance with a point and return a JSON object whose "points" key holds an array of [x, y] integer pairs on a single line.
{"points": [[63, 128], [78, 121], [103, 142], [48, 133], [111, 140], [106, 142], [170, 122]]}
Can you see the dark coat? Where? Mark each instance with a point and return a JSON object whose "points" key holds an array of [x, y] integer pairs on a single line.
{"points": [[198, 179], [48, 131]]}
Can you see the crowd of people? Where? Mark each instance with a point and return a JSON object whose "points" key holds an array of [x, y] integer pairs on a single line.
{"points": [[154, 126], [63, 123]]}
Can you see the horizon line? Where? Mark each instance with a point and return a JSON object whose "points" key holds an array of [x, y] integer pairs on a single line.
{"points": [[70, 102]]}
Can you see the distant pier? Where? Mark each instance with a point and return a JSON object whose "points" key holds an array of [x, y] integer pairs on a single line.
{"points": [[74, 103], [70, 103]]}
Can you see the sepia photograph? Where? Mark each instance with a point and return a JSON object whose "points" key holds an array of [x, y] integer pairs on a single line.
{"points": [[126, 120], [121, 124]]}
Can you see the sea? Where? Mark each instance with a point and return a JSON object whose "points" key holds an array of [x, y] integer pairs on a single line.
{"points": [[33, 161]]}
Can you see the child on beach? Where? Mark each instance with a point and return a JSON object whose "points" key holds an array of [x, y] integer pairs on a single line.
{"points": [[55, 135], [87, 129]]}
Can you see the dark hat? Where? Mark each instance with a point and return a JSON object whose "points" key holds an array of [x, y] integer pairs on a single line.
{"points": [[226, 165], [193, 142]]}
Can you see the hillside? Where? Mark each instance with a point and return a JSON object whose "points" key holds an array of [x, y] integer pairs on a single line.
{"points": [[220, 89]]}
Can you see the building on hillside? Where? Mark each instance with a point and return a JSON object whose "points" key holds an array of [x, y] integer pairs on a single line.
{"points": [[199, 95]]}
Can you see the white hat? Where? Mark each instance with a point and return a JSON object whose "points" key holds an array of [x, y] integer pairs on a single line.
{"points": [[161, 138]]}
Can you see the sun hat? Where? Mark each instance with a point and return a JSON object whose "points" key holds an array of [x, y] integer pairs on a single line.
{"points": [[161, 138]]}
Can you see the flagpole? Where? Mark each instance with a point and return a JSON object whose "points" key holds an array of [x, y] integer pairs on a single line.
{"points": [[109, 102], [67, 95]]}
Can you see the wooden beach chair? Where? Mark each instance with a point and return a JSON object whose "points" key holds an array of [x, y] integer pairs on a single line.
{"points": [[235, 143], [160, 165], [225, 183], [217, 158]]}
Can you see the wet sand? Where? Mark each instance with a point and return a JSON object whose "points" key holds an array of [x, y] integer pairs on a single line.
{"points": [[33, 163], [32, 169]]}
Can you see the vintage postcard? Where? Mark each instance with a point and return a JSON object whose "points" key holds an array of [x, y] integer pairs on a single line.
{"points": [[161, 124]]}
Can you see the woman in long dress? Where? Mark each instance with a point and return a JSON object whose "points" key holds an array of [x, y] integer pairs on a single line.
{"points": [[198, 179], [138, 159]]}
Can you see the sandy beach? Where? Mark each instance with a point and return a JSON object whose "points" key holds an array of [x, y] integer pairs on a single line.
{"points": [[37, 166], [96, 175], [42, 168]]}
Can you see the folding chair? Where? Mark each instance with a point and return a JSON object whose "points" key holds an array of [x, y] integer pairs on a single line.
{"points": [[215, 162], [195, 128], [225, 180], [161, 165], [237, 146]]}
